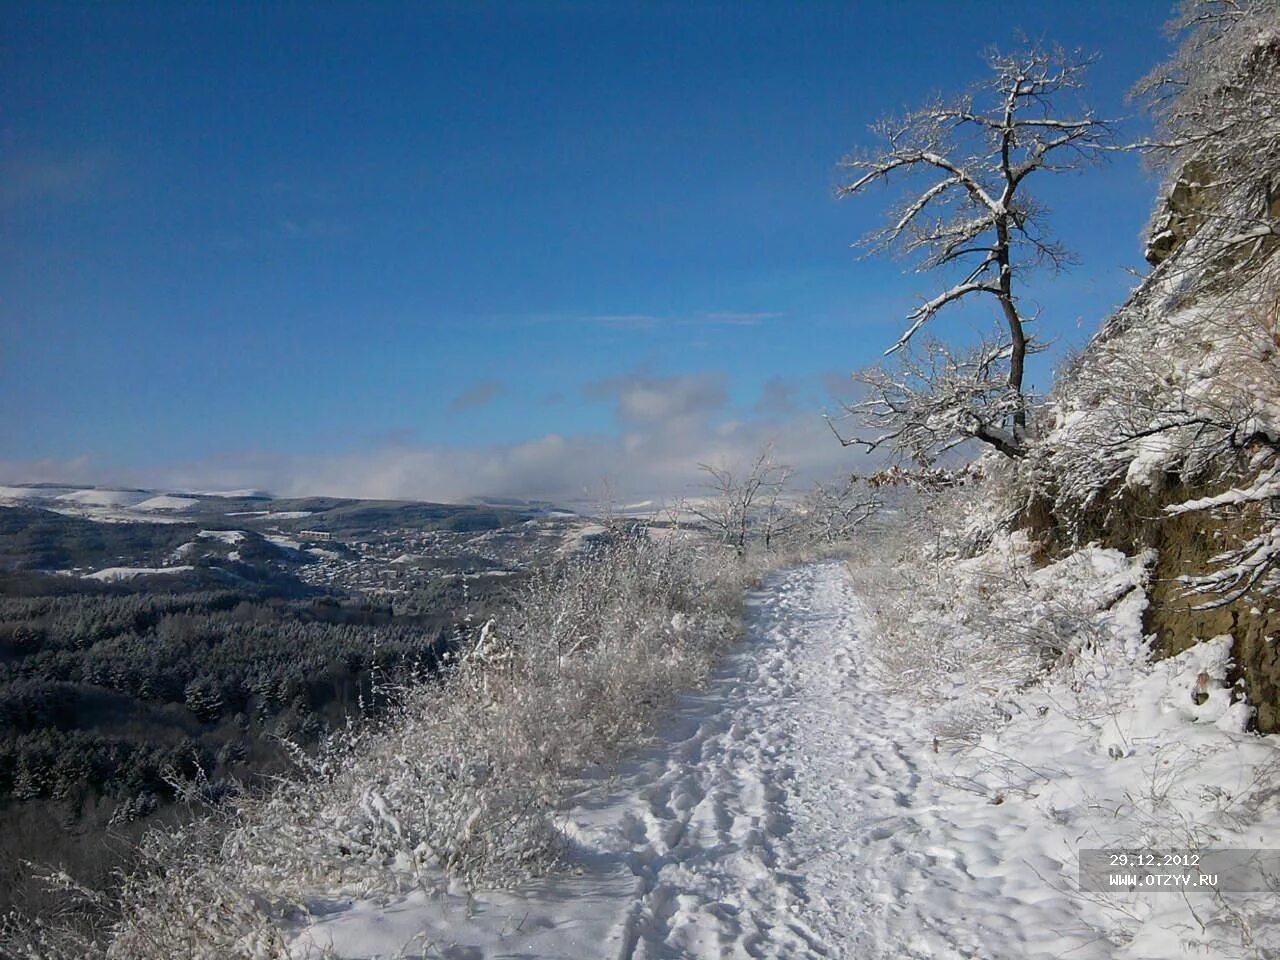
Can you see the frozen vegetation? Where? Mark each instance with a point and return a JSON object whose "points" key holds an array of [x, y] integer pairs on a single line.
{"points": [[802, 805], [817, 727], [902, 758]]}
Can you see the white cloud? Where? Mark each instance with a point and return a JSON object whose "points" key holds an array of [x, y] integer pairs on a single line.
{"points": [[777, 396], [656, 459], [732, 319], [708, 318], [667, 427], [643, 399], [627, 321], [47, 176], [477, 395]]}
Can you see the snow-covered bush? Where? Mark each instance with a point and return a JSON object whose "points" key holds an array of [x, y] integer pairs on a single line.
{"points": [[1177, 408], [1217, 135], [990, 623], [833, 513], [462, 781], [1174, 408]]}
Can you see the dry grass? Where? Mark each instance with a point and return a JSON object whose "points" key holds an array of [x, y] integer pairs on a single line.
{"points": [[462, 782]]}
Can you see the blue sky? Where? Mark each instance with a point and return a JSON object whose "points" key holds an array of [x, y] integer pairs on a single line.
{"points": [[442, 249]]}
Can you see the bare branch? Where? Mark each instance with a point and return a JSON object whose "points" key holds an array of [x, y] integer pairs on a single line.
{"points": [[963, 167], [743, 504], [924, 313], [934, 400]]}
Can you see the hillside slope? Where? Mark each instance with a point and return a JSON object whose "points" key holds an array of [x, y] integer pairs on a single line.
{"points": [[1164, 433], [808, 804]]}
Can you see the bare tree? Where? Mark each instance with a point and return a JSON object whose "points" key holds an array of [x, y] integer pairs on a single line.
{"points": [[777, 518], [966, 164], [833, 511], [740, 501]]}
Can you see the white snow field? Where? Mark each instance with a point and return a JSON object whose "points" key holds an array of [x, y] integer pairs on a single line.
{"points": [[111, 574], [104, 498], [797, 807], [165, 501]]}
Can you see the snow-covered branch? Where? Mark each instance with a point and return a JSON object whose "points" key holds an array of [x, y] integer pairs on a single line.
{"points": [[1217, 132], [744, 504], [963, 166], [932, 401], [832, 512]]}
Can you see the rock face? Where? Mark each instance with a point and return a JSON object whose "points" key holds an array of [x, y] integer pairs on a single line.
{"points": [[1180, 215], [1226, 166], [1193, 199], [1165, 433], [1185, 546]]}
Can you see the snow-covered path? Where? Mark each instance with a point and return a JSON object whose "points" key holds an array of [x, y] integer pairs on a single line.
{"points": [[790, 810]]}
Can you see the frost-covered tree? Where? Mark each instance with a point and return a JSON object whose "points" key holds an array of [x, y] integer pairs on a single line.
{"points": [[1216, 130], [833, 511], [742, 503], [936, 398], [1180, 393], [966, 211]]}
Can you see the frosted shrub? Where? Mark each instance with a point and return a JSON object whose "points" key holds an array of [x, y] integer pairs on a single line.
{"points": [[468, 775], [461, 781], [179, 900], [990, 623]]}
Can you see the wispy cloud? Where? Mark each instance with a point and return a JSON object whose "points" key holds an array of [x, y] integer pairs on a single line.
{"points": [[657, 460], [666, 426], [477, 395], [627, 321], [777, 396], [46, 176], [641, 399], [730, 319], [652, 458]]}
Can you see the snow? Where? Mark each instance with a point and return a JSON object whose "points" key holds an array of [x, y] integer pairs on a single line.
{"points": [[166, 502], [104, 498], [273, 514], [229, 494], [226, 536], [577, 539], [28, 493], [801, 806], [1266, 487], [1152, 456], [229, 537], [112, 574], [99, 505]]}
